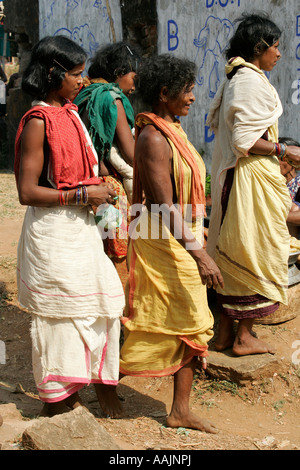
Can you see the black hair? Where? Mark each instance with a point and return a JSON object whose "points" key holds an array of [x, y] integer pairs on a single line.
{"points": [[113, 60], [167, 71], [254, 35], [50, 59], [288, 141]]}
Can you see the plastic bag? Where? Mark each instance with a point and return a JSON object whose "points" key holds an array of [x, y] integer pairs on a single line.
{"points": [[108, 217]]}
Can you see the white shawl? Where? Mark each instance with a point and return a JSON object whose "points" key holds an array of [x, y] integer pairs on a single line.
{"points": [[244, 108]]}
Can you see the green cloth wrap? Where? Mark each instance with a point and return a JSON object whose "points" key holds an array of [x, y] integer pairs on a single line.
{"points": [[100, 101]]}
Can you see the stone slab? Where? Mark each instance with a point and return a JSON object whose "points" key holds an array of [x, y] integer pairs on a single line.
{"points": [[13, 425], [75, 430], [241, 370]]}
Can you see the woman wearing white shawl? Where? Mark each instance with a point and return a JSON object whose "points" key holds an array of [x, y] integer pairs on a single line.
{"points": [[248, 235]]}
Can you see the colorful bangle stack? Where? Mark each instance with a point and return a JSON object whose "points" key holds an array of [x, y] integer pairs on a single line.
{"points": [[85, 196], [81, 195], [78, 196], [272, 151], [63, 197], [280, 151]]}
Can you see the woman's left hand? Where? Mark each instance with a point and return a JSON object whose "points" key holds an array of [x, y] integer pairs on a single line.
{"points": [[102, 194]]}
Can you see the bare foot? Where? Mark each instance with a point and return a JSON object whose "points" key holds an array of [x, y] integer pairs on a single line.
{"points": [[191, 421], [225, 338], [73, 401], [109, 400], [251, 345], [224, 342], [52, 409]]}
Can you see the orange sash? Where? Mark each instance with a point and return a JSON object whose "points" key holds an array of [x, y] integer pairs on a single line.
{"points": [[197, 190]]}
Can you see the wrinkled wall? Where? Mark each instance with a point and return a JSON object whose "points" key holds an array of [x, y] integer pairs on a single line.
{"points": [[196, 29], [200, 30], [90, 23]]}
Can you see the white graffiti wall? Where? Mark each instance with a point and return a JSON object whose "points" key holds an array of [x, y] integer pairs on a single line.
{"points": [[196, 29], [90, 23], [200, 30]]}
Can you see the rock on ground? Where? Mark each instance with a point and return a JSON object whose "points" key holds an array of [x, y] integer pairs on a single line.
{"points": [[241, 370], [13, 425], [75, 430]]}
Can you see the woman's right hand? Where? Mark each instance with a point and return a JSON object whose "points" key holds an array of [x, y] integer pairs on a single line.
{"points": [[101, 194], [209, 271]]}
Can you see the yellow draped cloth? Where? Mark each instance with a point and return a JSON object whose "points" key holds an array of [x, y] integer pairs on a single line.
{"points": [[252, 254], [167, 320], [251, 244]]}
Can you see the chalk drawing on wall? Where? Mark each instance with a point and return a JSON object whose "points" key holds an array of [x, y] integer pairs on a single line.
{"points": [[71, 5], [211, 43], [82, 35], [90, 23]]}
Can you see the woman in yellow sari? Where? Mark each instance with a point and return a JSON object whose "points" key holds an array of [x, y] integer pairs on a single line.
{"points": [[248, 235], [167, 320]]}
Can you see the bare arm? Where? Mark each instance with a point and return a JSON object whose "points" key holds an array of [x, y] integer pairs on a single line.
{"points": [[154, 158], [264, 147], [123, 136], [31, 166], [294, 215]]}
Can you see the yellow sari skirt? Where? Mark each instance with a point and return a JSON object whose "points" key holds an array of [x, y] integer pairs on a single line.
{"points": [[254, 242], [167, 320]]}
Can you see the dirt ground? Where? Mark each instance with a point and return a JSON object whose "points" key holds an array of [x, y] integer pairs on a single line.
{"points": [[263, 415]]}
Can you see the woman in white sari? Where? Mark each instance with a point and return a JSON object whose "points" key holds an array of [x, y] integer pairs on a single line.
{"points": [[65, 280], [248, 235]]}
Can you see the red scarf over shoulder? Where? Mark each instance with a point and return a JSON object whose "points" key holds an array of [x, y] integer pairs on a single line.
{"points": [[197, 190], [71, 157]]}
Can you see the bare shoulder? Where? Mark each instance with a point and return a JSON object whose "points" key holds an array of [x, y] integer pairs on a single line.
{"points": [[35, 122], [33, 134], [119, 105], [34, 125], [151, 133], [152, 143]]}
